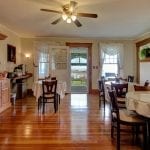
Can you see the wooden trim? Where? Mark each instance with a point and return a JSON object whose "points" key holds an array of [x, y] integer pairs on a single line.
{"points": [[94, 91], [2, 36], [89, 46], [143, 42], [138, 45]]}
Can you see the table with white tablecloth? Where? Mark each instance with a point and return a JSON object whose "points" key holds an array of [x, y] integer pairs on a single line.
{"points": [[37, 89], [139, 101]]}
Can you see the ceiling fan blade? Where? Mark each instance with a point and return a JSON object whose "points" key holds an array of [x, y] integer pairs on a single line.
{"points": [[77, 23], [56, 21], [49, 10], [87, 15]]}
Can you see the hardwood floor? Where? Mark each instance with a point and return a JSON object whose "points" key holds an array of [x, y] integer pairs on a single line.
{"points": [[78, 125]]}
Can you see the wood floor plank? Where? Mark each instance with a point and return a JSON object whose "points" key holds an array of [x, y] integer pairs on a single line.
{"points": [[78, 125]]}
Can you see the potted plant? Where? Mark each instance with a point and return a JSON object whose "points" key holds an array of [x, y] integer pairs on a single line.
{"points": [[144, 53]]}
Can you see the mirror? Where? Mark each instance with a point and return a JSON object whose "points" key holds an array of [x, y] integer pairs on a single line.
{"points": [[11, 53]]}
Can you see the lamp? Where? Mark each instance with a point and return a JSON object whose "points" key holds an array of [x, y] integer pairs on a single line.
{"points": [[69, 17], [27, 55]]}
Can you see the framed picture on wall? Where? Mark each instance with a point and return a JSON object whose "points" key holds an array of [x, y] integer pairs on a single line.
{"points": [[11, 53]]}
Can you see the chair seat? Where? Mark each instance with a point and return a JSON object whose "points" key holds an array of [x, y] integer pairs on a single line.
{"points": [[130, 117], [49, 96], [120, 99]]}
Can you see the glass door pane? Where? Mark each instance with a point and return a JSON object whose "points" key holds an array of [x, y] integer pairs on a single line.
{"points": [[79, 70]]}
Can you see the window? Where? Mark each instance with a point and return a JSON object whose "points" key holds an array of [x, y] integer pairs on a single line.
{"points": [[110, 65], [43, 65]]}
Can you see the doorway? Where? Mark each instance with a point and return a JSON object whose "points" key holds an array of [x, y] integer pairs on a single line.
{"points": [[79, 73], [87, 65]]}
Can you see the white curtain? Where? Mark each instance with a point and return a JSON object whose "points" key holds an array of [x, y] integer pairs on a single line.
{"points": [[41, 54], [112, 49]]}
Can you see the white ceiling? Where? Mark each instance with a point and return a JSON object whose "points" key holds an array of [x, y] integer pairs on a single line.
{"points": [[116, 18]]}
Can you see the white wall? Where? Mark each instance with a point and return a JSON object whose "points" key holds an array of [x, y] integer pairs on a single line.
{"points": [[26, 46], [144, 72], [129, 53]]}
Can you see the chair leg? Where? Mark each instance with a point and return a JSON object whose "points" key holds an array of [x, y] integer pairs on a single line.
{"points": [[99, 100], [112, 130], [59, 98], [144, 138], [43, 106], [39, 102], [55, 104], [136, 133], [118, 136], [104, 101]]}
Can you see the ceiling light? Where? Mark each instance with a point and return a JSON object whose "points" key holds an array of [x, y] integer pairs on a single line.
{"points": [[68, 20], [64, 16], [73, 17]]}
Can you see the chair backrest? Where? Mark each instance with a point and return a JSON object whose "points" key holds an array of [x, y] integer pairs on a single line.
{"points": [[101, 85], [114, 104], [120, 88], [141, 88], [53, 78], [130, 78], [49, 87], [146, 83]]}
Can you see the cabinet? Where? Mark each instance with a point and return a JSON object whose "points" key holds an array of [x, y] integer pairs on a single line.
{"points": [[4, 94], [2, 36]]}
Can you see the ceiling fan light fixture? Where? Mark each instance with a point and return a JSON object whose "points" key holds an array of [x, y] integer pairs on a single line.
{"points": [[68, 20], [64, 16], [73, 17]]}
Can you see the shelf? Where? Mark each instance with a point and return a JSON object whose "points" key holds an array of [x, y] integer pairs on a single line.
{"points": [[145, 60], [2, 36]]}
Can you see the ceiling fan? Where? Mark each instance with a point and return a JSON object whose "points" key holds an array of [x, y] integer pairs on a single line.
{"points": [[69, 14]]}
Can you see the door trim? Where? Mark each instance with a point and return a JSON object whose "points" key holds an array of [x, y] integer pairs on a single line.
{"points": [[89, 70]]}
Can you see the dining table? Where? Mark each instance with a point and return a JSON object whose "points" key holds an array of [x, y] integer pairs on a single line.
{"points": [[37, 89], [139, 101]]}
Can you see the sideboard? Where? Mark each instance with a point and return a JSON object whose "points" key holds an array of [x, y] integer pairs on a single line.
{"points": [[4, 94]]}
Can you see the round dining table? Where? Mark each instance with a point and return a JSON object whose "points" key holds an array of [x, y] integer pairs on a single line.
{"points": [[139, 101]]}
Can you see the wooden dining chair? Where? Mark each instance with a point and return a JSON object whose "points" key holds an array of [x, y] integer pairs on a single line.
{"points": [[123, 117], [130, 78], [121, 90], [49, 94], [101, 89], [58, 96], [53, 78]]}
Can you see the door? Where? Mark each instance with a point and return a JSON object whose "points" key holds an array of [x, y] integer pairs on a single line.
{"points": [[60, 57], [78, 67], [88, 47]]}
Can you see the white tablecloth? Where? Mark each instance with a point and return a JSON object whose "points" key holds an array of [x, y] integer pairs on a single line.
{"points": [[139, 101], [37, 89]]}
